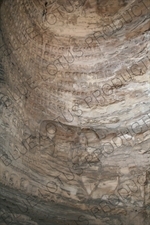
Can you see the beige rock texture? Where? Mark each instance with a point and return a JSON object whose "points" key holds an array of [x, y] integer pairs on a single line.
{"points": [[74, 112]]}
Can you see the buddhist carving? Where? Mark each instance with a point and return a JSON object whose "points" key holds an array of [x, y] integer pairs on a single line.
{"points": [[74, 112]]}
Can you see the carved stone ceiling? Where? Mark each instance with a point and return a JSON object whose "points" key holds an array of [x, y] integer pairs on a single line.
{"points": [[74, 112]]}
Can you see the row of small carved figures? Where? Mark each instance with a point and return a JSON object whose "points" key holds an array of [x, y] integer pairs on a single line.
{"points": [[33, 189], [126, 186], [113, 204]]}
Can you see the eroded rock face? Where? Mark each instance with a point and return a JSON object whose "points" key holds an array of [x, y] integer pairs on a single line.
{"points": [[75, 120]]}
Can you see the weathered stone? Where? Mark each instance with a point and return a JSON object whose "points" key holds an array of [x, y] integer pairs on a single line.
{"points": [[74, 106]]}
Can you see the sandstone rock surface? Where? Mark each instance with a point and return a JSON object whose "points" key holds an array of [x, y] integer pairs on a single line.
{"points": [[74, 106]]}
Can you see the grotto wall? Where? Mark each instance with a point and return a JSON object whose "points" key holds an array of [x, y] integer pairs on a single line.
{"points": [[74, 106]]}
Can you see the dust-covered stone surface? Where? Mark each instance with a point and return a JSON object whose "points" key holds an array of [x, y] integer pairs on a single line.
{"points": [[74, 112]]}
